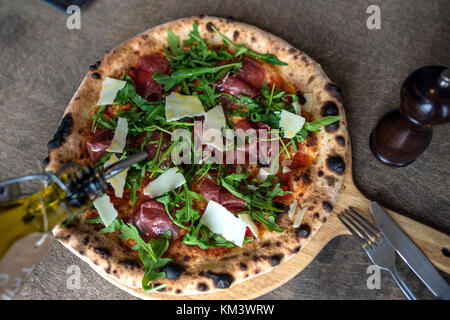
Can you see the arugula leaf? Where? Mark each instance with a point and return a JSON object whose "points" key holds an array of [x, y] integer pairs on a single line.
{"points": [[242, 49], [173, 42], [177, 77], [314, 126]]}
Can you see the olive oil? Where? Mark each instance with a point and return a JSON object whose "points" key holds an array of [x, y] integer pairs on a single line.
{"points": [[43, 210], [64, 196], [39, 212]]}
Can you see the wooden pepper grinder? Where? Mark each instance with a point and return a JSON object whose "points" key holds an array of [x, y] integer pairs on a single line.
{"points": [[403, 134]]}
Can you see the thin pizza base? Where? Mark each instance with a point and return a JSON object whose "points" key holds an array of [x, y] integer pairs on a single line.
{"points": [[206, 273]]}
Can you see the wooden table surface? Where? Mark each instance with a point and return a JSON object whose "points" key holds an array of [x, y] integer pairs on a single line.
{"points": [[42, 64]]}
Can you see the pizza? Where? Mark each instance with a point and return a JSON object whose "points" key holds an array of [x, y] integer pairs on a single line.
{"points": [[246, 144]]}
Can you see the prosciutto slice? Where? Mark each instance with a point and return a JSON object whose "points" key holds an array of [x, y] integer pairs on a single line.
{"points": [[247, 81], [142, 75], [251, 73], [210, 190], [234, 86], [98, 143], [151, 219]]}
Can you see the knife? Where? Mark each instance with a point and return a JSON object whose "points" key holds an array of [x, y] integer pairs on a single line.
{"points": [[409, 252]]}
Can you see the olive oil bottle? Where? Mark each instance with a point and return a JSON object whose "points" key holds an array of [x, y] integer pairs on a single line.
{"points": [[43, 210], [64, 196]]}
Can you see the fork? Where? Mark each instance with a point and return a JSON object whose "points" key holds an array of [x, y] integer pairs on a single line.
{"points": [[377, 247]]}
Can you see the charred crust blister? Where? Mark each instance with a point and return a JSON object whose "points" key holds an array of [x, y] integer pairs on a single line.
{"points": [[340, 140], [327, 206], [336, 164], [202, 287], [96, 75], [173, 271], [332, 127], [103, 252], [95, 66], [275, 259], [303, 231], [242, 266], [64, 129], [209, 26], [235, 35], [221, 280], [130, 264], [329, 108]]}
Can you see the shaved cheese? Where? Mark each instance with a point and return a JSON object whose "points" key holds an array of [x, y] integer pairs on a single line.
{"points": [[299, 217], [221, 221], [105, 209], [247, 219], [120, 136], [179, 106], [291, 123], [212, 128], [286, 169], [262, 175], [168, 181], [118, 181], [310, 101], [110, 87], [297, 108], [292, 209]]}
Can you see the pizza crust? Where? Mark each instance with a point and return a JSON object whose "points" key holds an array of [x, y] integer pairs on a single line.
{"points": [[193, 273]]}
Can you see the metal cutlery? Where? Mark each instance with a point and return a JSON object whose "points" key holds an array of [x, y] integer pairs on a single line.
{"points": [[377, 247], [410, 253]]}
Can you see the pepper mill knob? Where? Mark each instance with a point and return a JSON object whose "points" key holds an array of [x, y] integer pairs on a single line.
{"points": [[403, 134]]}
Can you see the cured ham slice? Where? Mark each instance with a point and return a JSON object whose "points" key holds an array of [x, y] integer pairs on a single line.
{"points": [[211, 191], [142, 75], [151, 219], [98, 143]]}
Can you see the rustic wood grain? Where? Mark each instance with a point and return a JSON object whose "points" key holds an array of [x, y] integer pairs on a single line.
{"points": [[43, 63]]}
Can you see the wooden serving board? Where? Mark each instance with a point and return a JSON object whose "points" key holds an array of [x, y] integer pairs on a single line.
{"points": [[429, 240]]}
